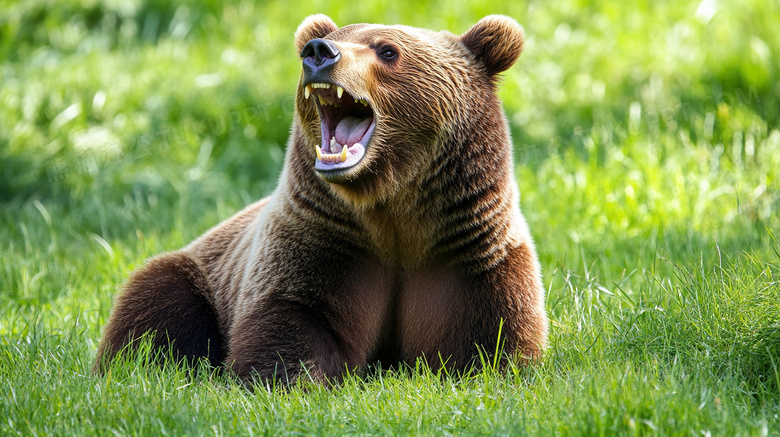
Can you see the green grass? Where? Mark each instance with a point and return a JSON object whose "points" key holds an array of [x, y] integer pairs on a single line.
{"points": [[648, 158]]}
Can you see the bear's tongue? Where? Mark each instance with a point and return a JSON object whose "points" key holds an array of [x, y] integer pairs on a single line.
{"points": [[350, 130]]}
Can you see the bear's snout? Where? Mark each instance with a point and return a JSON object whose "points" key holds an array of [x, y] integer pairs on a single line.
{"points": [[319, 56]]}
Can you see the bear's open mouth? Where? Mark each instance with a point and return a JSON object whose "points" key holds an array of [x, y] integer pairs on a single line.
{"points": [[347, 124]]}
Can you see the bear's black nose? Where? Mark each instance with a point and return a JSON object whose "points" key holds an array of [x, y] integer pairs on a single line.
{"points": [[319, 56]]}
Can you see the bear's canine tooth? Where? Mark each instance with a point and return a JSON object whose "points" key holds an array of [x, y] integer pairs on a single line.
{"points": [[307, 91], [344, 153], [319, 152], [339, 91]]}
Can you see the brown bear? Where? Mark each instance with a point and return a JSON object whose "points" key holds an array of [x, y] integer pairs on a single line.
{"points": [[394, 233]]}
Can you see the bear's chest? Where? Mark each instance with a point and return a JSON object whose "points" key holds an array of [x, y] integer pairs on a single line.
{"points": [[411, 312]]}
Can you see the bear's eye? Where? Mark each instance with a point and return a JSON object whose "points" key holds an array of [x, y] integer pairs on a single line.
{"points": [[387, 52]]}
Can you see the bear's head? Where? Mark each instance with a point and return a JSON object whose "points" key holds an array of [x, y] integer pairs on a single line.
{"points": [[379, 107]]}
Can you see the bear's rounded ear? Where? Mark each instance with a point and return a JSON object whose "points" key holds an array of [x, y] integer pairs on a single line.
{"points": [[496, 41], [314, 26]]}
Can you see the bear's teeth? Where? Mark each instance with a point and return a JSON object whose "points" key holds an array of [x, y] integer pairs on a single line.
{"points": [[344, 153], [307, 91], [332, 142], [332, 158], [339, 91]]}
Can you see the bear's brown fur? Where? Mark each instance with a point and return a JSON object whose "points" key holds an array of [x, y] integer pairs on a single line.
{"points": [[409, 245]]}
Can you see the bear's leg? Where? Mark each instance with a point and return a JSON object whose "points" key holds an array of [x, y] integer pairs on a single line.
{"points": [[169, 299], [451, 318], [525, 325], [281, 343], [321, 335]]}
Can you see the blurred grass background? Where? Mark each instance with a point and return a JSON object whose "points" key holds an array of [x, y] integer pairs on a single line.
{"points": [[648, 158]]}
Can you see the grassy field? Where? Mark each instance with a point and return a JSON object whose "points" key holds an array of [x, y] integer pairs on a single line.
{"points": [[648, 158]]}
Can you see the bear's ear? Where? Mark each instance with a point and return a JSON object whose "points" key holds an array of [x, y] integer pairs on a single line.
{"points": [[314, 26], [496, 41]]}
